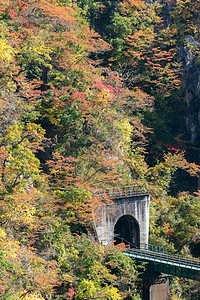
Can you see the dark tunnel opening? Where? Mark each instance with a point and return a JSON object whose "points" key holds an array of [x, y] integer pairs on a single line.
{"points": [[127, 231]]}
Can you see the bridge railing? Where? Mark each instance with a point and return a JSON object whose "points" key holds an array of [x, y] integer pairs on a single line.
{"points": [[154, 248], [119, 192], [148, 248]]}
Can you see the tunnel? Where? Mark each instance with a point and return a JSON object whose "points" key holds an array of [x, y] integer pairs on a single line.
{"points": [[127, 230]]}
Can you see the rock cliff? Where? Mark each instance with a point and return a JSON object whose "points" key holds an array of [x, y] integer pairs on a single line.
{"points": [[192, 90]]}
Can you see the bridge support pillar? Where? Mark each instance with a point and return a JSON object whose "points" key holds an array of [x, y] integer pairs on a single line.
{"points": [[155, 285], [156, 289]]}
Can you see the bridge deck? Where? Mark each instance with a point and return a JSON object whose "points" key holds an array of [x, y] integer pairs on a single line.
{"points": [[160, 262], [168, 264], [164, 258]]}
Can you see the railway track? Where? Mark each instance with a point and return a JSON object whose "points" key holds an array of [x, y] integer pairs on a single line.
{"points": [[164, 258]]}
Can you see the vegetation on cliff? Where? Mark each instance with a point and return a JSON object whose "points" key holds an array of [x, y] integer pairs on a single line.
{"points": [[81, 110]]}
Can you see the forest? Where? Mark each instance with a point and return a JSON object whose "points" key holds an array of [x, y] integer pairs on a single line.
{"points": [[93, 96]]}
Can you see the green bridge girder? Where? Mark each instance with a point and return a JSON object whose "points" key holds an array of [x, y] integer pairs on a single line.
{"points": [[167, 264]]}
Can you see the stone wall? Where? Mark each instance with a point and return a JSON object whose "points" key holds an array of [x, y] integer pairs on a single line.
{"points": [[137, 207]]}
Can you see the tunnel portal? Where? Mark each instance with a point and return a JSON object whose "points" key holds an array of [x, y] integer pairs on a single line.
{"points": [[127, 230], [127, 217]]}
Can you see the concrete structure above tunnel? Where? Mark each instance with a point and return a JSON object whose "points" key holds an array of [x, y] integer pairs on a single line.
{"points": [[126, 218]]}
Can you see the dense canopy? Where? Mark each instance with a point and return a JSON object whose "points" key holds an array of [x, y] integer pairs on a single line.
{"points": [[92, 97]]}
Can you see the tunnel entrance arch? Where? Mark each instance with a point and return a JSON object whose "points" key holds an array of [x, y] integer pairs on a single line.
{"points": [[127, 230]]}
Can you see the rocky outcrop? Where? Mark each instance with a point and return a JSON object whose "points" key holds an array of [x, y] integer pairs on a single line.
{"points": [[192, 90]]}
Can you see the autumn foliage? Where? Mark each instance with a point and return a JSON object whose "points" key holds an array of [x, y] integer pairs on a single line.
{"points": [[79, 113]]}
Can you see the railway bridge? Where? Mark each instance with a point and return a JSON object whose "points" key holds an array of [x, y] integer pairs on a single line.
{"points": [[126, 221]]}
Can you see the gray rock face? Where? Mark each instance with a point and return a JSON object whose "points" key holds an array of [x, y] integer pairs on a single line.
{"points": [[191, 81], [192, 91]]}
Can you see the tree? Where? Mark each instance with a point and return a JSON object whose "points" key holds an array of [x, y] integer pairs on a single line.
{"points": [[19, 166]]}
